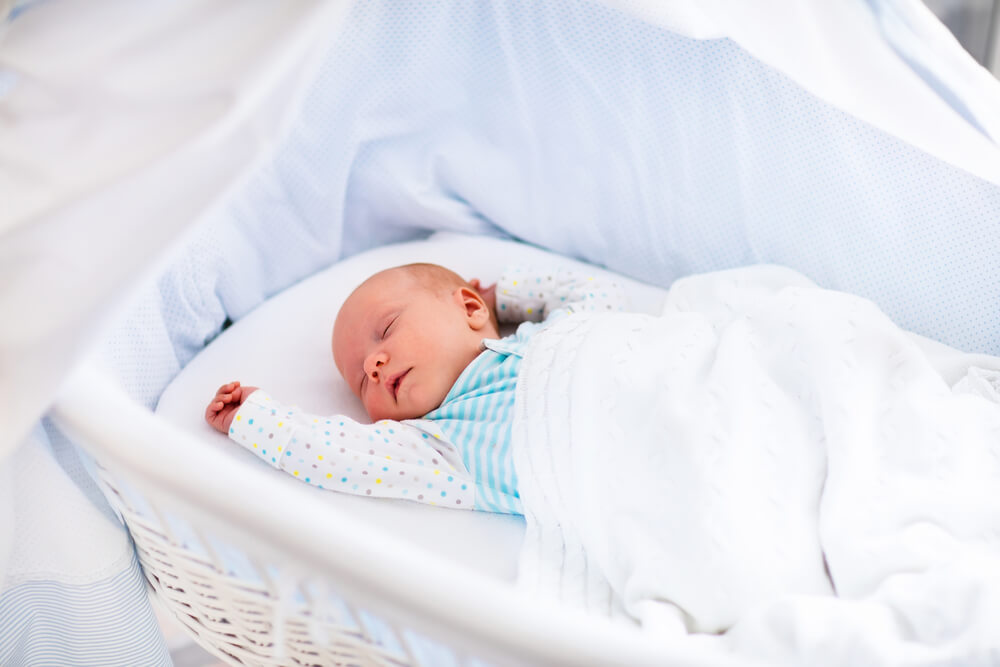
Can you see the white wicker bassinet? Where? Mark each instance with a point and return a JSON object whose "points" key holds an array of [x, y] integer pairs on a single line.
{"points": [[347, 594]]}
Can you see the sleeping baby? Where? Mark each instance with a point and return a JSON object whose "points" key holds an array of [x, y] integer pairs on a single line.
{"points": [[760, 448], [421, 348]]}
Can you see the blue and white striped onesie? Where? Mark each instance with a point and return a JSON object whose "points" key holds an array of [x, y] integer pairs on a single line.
{"points": [[477, 412], [459, 454]]}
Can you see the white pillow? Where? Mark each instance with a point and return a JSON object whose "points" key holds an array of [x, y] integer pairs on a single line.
{"points": [[283, 346]]}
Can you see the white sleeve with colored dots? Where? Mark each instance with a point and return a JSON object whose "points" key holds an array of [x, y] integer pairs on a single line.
{"points": [[388, 459], [527, 294]]}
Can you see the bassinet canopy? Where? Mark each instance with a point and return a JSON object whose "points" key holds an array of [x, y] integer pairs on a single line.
{"points": [[215, 153]]}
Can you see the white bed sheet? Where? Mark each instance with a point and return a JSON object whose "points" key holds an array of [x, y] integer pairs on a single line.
{"points": [[284, 346]]}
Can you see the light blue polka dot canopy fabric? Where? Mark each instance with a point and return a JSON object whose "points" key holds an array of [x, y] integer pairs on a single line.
{"points": [[582, 129]]}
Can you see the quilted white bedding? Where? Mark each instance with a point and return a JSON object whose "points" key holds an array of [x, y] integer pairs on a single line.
{"points": [[772, 460]]}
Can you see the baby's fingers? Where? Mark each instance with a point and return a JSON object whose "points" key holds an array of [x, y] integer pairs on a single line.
{"points": [[228, 387], [232, 396]]}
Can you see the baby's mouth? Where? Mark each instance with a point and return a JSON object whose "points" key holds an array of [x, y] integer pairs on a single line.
{"points": [[395, 381]]}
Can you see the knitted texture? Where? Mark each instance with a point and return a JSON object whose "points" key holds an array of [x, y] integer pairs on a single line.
{"points": [[763, 445]]}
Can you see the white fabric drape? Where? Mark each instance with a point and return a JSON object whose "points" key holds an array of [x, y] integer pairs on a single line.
{"points": [[121, 124], [874, 60]]}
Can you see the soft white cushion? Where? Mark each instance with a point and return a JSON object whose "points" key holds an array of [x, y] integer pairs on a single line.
{"points": [[284, 346]]}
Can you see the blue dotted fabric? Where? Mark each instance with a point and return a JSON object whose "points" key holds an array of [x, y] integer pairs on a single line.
{"points": [[581, 129]]}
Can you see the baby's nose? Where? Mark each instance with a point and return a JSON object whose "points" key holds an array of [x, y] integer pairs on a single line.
{"points": [[374, 364]]}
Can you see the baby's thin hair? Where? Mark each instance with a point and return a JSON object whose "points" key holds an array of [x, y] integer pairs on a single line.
{"points": [[437, 277], [434, 276]]}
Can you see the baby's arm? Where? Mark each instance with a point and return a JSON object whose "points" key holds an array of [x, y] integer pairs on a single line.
{"points": [[529, 294], [387, 459]]}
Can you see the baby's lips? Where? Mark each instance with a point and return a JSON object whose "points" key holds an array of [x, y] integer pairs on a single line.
{"points": [[393, 384]]}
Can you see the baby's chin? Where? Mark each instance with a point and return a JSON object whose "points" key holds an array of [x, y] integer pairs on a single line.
{"points": [[416, 412], [416, 401], [401, 413]]}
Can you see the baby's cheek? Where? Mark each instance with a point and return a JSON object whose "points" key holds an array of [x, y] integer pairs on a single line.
{"points": [[431, 397], [373, 409]]}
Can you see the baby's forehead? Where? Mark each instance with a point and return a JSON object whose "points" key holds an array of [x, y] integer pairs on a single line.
{"points": [[391, 285], [406, 280], [387, 286], [383, 287]]}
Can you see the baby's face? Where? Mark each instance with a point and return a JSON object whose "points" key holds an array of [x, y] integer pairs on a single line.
{"points": [[401, 345]]}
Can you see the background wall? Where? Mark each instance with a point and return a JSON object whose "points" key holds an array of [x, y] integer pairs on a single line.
{"points": [[976, 24]]}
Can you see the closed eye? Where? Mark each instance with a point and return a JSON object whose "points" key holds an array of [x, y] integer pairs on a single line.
{"points": [[385, 332]]}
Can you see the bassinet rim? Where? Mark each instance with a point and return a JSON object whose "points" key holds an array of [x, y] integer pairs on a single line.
{"points": [[127, 439]]}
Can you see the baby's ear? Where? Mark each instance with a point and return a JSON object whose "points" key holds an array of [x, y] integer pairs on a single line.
{"points": [[477, 313]]}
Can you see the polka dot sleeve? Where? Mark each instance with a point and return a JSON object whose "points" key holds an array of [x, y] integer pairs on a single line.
{"points": [[526, 294], [388, 459]]}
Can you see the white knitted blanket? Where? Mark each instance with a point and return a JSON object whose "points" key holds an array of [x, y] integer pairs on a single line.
{"points": [[768, 459]]}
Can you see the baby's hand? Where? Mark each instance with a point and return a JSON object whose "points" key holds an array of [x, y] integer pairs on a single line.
{"points": [[227, 402]]}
